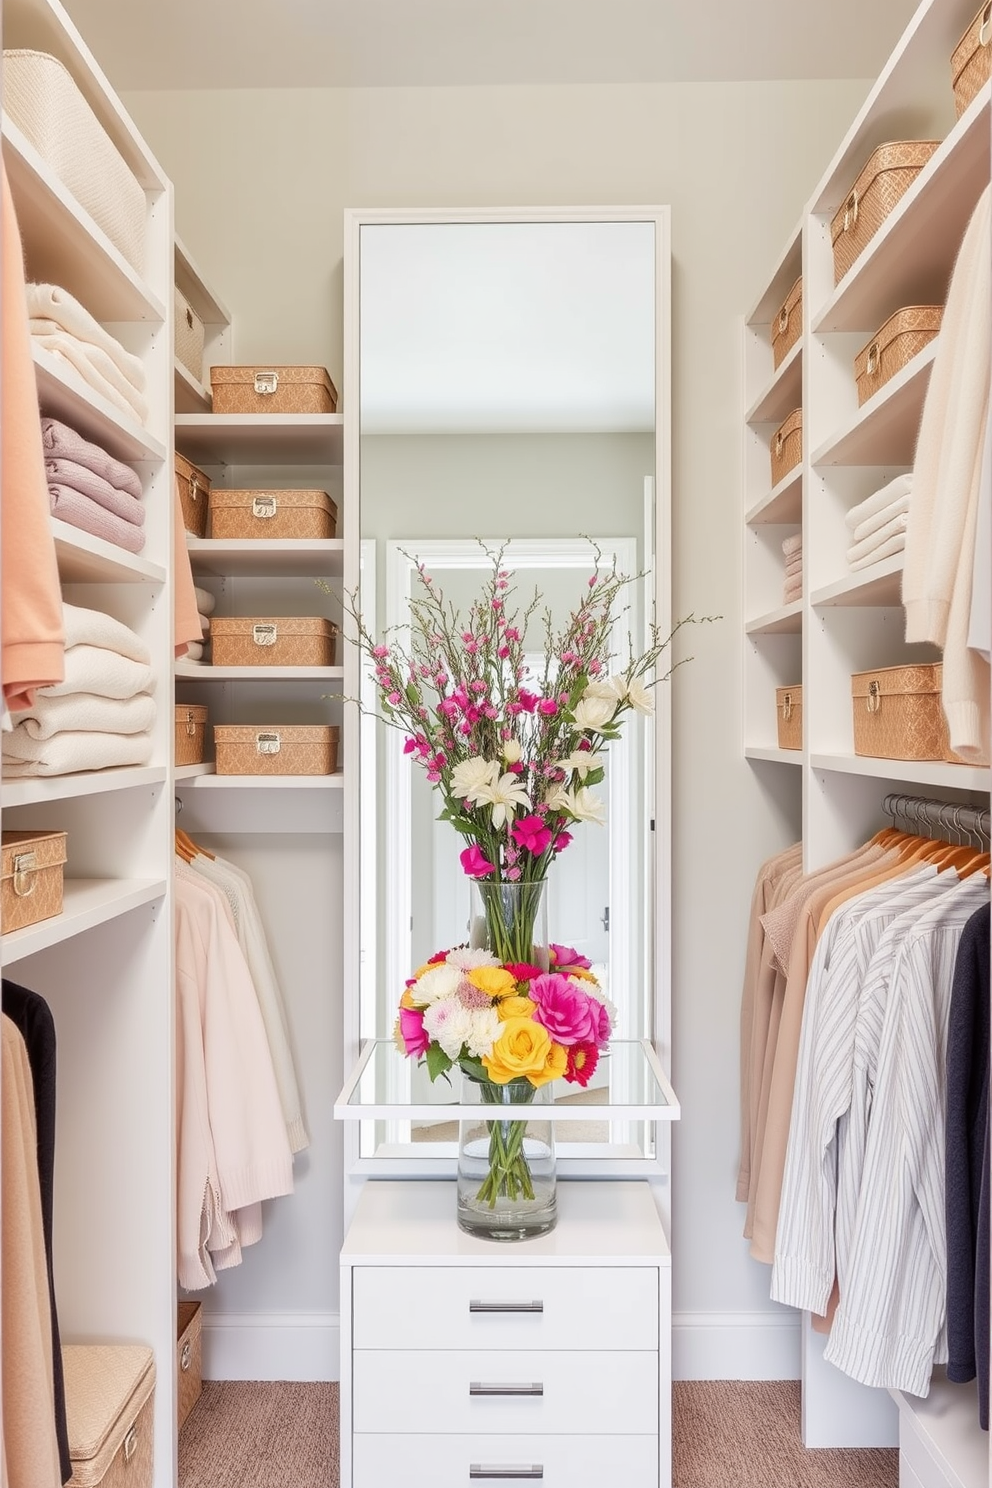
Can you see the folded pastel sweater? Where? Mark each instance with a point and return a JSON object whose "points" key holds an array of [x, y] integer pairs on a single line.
{"points": [[893, 490], [65, 754], [89, 516], [63, 443], [94, 366], [48, 302], [84, 627], [93, 669], [85, 712], [77, 478]]}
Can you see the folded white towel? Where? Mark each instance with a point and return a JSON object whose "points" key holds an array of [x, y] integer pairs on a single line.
{"points": [[65, 754], [893, 545], [205, 624], [880, 519], [793, 590], [94, 628], [205, 601], [901, 485], [792, 545], [96, 369], [793, 567], [894, 528], [194, 651], [49, 302], [92, 669], [85, 712]]}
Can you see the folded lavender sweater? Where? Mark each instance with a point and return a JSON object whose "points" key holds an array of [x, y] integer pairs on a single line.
{"points": [[79, 511], [63, 443], [77, 478]]}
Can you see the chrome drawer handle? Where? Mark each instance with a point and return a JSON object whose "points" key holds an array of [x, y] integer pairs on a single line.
{"points": [[476, 1470], [476, 1388], [506, 1307]]}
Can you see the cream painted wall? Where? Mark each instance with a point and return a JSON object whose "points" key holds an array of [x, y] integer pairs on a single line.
{"points": [[261, 180]]}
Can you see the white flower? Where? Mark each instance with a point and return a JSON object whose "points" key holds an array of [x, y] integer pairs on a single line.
{"points": [[485, 1030], [559, 800], [582, 761], [504, 796], [579, 803], [608, 689], [449, 1024], [465, 959], [512, 751], [441, 981], [593, 713], [469, 775], [595, 990], [638, 696]]}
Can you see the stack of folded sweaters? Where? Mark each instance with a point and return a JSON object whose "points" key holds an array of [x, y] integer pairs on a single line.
{"points": [[100, 715], [792, 549], [90, 489], [878, 525], [205, 603], [65, 328]]}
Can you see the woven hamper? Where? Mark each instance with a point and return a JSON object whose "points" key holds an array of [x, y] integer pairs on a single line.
{"points": [[898, 341], [191, 730], [109, 1398], [41, 98], [194, 495], [789, 712], [888, 175], [971, 60], [898, 713], [273, 390], [189, 336], [271, 640], [787, 326], [276, 749], [189, 1365], [787, 446], [30, 877], [272, 514]]}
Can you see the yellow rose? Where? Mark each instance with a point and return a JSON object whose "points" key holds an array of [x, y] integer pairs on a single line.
{"points": [[515, 1007], [492, 980], [581, 972], [408, 1000], [557, 1064], [525, 1050]]}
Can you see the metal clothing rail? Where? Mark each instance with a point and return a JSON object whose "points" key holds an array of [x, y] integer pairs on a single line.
{"points": [[950, 818]]}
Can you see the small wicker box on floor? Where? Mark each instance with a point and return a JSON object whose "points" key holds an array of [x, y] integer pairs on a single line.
{"points": [[787, 446], [787, 326], [109, 1398], [272, 514], [898, 713], [887, 176], [191, 729], [971, 59], [189, 336], [789, 710], [276, 749], [30, 877], [189, 1359], [194, 495], [273, 390], [898, 341], [272, 640]]}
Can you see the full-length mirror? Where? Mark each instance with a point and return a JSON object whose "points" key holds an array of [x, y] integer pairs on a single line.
{"points": [[511, 373]]}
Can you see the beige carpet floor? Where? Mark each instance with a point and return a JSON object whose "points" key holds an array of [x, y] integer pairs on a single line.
{"points": [[733, 1434]]}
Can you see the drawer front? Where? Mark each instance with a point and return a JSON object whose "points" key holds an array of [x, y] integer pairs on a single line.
{"points": [[505, 1307], [488, 1392], [502, 1461]]}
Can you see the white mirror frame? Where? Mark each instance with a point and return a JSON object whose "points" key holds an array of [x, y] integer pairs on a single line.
{"points": [[352, 1030]]}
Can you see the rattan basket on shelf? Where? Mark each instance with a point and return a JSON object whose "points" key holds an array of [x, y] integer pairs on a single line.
{"points": [[885, 178], [903, 336]]}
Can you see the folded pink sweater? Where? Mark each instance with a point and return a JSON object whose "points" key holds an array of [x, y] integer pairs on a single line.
{"points": [[62, 443], [79, 511], [77, 478]]}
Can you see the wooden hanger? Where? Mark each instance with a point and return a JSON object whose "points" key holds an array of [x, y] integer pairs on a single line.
{"points": [[188, 849]]}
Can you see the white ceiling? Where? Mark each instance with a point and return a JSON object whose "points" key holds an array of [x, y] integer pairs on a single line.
{"points": [[383, 43]]}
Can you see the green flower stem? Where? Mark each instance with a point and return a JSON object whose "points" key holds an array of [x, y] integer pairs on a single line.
{"points": [[509, 1174], [510, 918]]}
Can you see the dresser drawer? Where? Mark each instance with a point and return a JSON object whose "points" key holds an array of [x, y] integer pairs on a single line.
{"points": [[524, 1391], [505, 1307], [501, 1461]]}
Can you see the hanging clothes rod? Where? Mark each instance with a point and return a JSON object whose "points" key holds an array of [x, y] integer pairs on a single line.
{"points": [[946, 816]]}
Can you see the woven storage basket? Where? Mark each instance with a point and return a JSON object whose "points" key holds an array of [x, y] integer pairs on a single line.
{"points": [[971, 59], [109, 1398], [189, 1365], [31, 865], [888, 174], [276, 749], [273, 390], [789, 711], [194, 495], [270, 640], [189, 336], [42, 99], [272, 514], [898, 341], [787, 446], [898, 713], [787, 326], [191, 730]]}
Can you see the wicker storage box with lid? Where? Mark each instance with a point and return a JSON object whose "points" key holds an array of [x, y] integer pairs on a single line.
{"points": [[898, 713], [194, 495], [109, 1398], [189, 1365], [191, 729], [30, 877], [42, 100], [189, 336], [276, 748], [898, 341], [887, 175], [271, 389], [272, 514], [272, 640], [788, 324], [787, 446], [789, 712], [971, 60]]}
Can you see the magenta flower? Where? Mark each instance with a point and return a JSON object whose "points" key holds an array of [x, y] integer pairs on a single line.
{"points": [[569, 1014], [409, 745], [562, 841], [531, 833], [548, 707], [412, 1031], [568, 956], [528, 700], [475, 862]]}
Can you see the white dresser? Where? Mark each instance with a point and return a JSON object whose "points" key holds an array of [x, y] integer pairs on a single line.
{"points": [[465, 1361]]}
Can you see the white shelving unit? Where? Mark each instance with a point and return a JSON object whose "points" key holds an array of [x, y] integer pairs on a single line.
{"points": [[852, 620], [105, 964], [192, 394]]}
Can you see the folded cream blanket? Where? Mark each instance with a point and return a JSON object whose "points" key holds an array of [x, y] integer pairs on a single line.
{"points": [[94, 366], [887, 549], [65, 754], [89, 516], [793, 567], [793, 590], [93, 628], [205, 601], [62, 443], [93, 669], [892, 491], [50, 303], [792, 545], [881, 519], [85, 712], [894, 528], [77, 478]]}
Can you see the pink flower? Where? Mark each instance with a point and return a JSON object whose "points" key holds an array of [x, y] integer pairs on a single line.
{"points": [[380, 651], [523, 970], [475, 862], [528, 700], [562, 841], [562, 955], [409, 745], [582, 1062], [513, 874], [548, 707], [412, 1031], [393, 699], [531, 833], [568, 1013]]}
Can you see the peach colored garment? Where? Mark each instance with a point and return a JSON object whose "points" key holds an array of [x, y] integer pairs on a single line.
{"points": [[187, 618], [30, 598]]}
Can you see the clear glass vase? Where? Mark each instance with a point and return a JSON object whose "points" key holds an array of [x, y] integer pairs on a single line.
{"points": [[511, 920], [506, 1162]]}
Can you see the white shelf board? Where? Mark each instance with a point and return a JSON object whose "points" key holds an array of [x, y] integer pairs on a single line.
{"points": [[946, 1421], [783, 504], [261, 438], [784, 276], [85, 559], [201, 297], [914, 772], [62, 243], [877, 587], [87, 902], [191, 396], [773, 755], [187, 671], [208, 781], [910, 258], [884, 430], [37, 790], [190, 772], [63, 394], [783, 393], [786, 620], [255, 558]]}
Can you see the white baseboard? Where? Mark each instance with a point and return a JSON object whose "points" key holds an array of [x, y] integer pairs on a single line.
{"points": [[271, 1345], [736, 1345]]}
